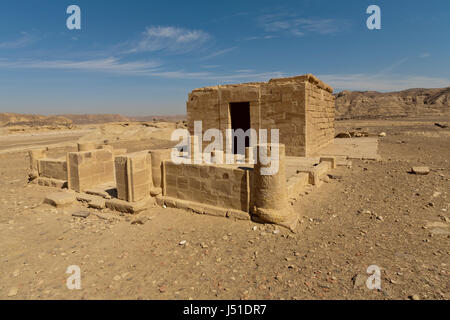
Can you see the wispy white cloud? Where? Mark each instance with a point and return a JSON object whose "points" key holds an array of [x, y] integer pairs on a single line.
{"points": [[392, 66], [290, 24], [266, 37], [218, 53], [25, 40], [169, 38], [136, 68], [367, 82], [210, 66], [112, 65], [425, 55]]}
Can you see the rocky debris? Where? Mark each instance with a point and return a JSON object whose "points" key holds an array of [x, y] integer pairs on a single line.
{"points": [[343, 135], [440, 125], [420, 170], [352, 134], [414, 297], [81, 214], [86, 198], [97, 204], [60, 199], [182, 242], [32, 176], [334, 177], [139, 221], [382, 134], [99, 192]]}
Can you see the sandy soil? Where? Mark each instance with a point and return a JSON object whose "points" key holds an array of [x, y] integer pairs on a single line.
{"points": [[374, 213]]}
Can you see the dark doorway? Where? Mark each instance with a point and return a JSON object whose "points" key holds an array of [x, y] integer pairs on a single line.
{"points": [[240, 119]]}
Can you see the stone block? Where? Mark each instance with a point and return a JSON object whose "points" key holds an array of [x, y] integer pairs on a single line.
{"points": [[420, 170], [60, 199], [129, 207], [331, 160]]}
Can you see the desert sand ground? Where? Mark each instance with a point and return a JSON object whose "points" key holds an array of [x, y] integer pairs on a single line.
{"points": [[374, 213]]}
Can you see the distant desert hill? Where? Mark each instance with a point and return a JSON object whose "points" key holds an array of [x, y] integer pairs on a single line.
{"points": [[168, 118], [407, 103], [95, 118], [14, 119], [33, 120]]}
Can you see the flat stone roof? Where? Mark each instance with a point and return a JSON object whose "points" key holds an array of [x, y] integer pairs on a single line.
{"points": [[303, 78]]}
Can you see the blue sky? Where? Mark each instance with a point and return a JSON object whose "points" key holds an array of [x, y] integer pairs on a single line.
{"points": [[144, 57]]}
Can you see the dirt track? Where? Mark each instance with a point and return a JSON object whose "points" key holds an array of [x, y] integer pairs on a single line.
{"points": [[19, 142], [375, 213]]}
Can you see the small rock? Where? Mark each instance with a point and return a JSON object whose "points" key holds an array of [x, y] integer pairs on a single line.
{"points": [[436, 194], [139, 221], [276, 231], [343, 135], [420, 170], [255, 228], [382, 134], [60, 199], [97, 204], [182, 242], [12, 292], [81, 214], [414, 297], [117, 278]]}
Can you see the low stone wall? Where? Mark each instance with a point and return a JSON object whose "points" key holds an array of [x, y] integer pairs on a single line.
{"points": [[53, 168], [89, 169], [220, 186]]}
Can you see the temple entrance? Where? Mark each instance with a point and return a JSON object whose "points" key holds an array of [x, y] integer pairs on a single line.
{"points": [[240, 119]]}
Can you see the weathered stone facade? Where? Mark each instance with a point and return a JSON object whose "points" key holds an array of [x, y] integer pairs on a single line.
{"points": [[301, 107]]}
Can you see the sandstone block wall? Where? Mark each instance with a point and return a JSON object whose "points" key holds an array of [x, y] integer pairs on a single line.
{"points": [[283, 108], [88, 169], [221, 186], [133, 176], [53, 168], [302, 108], [320, 112]]}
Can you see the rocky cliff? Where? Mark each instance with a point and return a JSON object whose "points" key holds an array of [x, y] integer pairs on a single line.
{"points": [[407, 103]]}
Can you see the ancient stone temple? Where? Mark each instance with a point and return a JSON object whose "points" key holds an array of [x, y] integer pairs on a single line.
{"points": [[301, 107]]}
